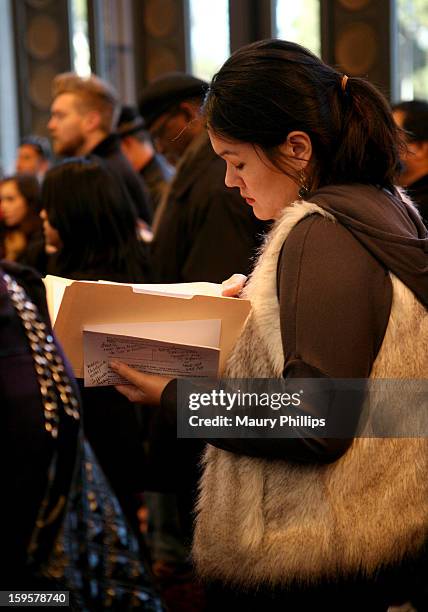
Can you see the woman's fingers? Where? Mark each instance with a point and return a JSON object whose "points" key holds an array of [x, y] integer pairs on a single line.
{"points": [[233, 286], [132, 393], [145, 388], [133, 376]]}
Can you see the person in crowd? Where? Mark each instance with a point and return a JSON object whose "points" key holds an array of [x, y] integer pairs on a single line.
{"points": [[34, 156], [198, 213], [20, 207], [52, 539], [339, 291], [84, 114], [412, 117], [137, 146], [88, 217]]}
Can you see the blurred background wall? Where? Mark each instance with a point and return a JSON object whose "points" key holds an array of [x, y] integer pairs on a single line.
{"points": [[130, 42]]}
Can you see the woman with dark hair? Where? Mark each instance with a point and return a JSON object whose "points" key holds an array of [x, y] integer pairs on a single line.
{"points": [[95, 224], [19, 208], [89, 219], [340, 292]]}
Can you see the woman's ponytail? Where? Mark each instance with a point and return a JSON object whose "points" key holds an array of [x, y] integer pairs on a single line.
{"points": [[368, 141]]}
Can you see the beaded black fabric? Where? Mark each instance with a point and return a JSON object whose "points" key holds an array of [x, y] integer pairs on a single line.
{"points": [[81, 541], [53, 381]]}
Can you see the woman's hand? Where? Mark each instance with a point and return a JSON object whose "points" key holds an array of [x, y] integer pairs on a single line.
{"points": [[144, 388], [233, 286]]}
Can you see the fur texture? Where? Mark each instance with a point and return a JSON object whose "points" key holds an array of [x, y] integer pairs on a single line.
{"points": [[276, 522]]}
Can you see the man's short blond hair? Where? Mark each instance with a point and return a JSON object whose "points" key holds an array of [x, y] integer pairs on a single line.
{"points": [[92, 93]]}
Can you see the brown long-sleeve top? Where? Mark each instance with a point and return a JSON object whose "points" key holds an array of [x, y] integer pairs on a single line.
{"points": [[334, 303], [334, 300]]}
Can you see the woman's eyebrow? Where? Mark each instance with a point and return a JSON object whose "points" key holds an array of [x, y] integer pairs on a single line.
{"points": [[227, 152]]}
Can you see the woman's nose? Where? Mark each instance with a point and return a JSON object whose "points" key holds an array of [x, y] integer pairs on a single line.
{"points": [[231, 179]]}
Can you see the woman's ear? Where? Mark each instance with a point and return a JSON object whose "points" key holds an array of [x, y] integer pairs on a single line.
{"points": [[298, 149]]}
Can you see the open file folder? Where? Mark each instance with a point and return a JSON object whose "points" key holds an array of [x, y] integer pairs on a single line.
{"points": [[79, 305]]}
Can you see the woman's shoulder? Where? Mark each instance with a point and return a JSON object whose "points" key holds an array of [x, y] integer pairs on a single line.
{"points": [[323, 257], [30, 281], [21, 273], [318, 235]]}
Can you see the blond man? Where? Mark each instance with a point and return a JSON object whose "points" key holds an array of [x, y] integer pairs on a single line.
{"points": [[84, 114]]}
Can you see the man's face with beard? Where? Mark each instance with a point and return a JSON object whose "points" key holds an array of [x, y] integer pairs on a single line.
{"points": [[66, 126]]}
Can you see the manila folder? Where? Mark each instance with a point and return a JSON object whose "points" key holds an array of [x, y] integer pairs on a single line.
{"points": [[90, 303]]}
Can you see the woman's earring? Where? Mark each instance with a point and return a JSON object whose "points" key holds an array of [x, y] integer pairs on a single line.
{"points": [[303, 188]]}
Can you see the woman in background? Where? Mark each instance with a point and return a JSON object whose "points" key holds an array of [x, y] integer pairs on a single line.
{"points": [[89, 219], [19, 208]]}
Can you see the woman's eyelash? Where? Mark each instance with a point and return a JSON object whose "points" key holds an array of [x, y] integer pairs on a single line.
{"points": [[239, 166]]}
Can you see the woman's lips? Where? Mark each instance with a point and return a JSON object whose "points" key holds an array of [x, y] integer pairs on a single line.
{"points": [[249, 200]]}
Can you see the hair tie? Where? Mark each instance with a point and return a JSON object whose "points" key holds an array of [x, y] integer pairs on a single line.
{"points": [[344, 81]]}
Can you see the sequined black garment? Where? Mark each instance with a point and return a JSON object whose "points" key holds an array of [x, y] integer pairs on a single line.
{"points": [[80, 541]]}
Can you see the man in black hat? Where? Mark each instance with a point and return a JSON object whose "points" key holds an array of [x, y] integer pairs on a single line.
{"points": [[138, 148], [203, 230]]}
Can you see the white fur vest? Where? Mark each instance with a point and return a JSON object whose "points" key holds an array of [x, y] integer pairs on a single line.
{"points": [[275, 522]]}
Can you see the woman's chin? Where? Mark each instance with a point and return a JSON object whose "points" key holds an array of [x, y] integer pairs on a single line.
{"points": [[262, 215]]}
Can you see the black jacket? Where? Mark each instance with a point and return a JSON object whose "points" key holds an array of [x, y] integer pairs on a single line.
{"points": [[110, 152], [157, 174], [206, 232]]}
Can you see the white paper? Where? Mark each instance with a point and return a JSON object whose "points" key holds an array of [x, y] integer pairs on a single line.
{"points": [[181, 290], [55, 287], [151, 354], [195, 333], [184, 290]]}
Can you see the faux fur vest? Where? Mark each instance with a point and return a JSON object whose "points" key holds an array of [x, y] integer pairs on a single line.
{"points": [[275, 522]]}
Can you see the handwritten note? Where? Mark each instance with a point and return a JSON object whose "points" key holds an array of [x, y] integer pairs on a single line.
{"points": [[151, 355]]}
